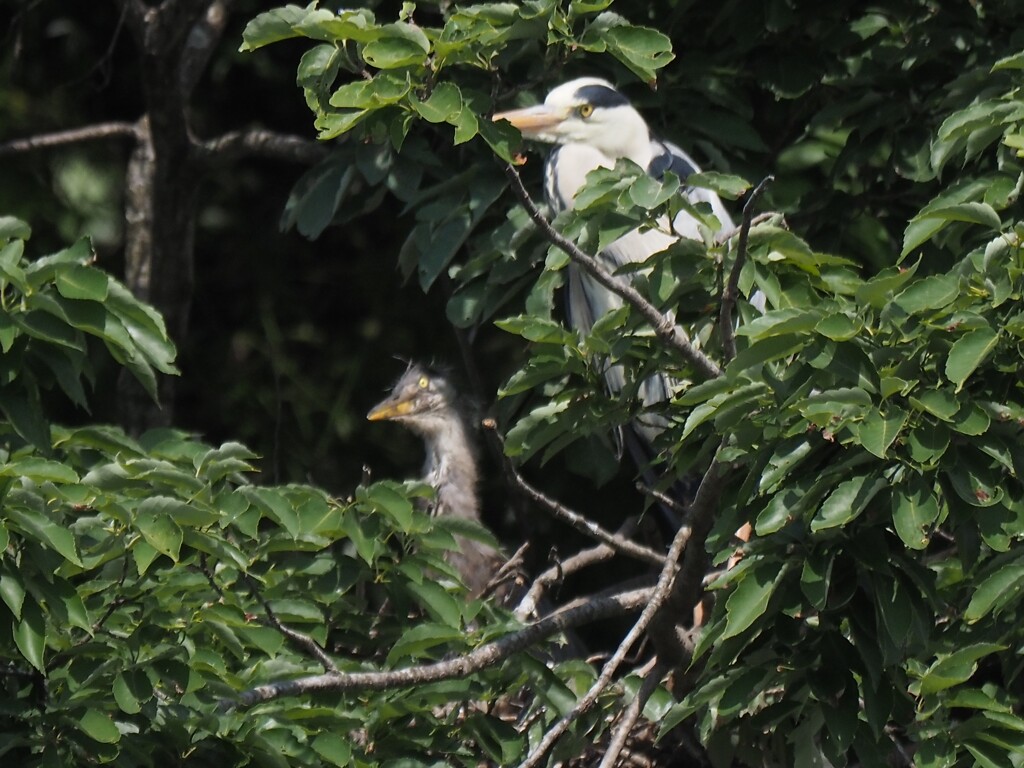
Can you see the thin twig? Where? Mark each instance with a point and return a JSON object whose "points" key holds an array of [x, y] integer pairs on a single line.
{"points": [[663, 498], [481, 658], [305, 642], [663, 325], [72, 136], [588, 527], [731, 290], [723, 237], [631, 714], [662, 590], [582, 559]]}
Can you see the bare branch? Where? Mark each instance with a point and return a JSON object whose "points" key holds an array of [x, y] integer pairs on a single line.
{"points": [[586, 526], [723, 237], [672, 643], [73, 136], [481, 658], [662, 591], [664, 327], [200, 44], [663, 498], [631, 714], [583, 559], [731, 290], [256, 141]]}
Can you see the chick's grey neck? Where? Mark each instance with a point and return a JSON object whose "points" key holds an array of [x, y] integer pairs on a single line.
{"points": [[450, 465]]}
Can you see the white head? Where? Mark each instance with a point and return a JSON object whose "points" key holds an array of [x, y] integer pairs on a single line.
{"points": [[587, 111]]}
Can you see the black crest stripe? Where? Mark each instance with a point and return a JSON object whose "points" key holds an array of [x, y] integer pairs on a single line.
{"points": [[601, 96]]}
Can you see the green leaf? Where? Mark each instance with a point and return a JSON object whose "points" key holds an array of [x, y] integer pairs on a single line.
{"points": [[972, 213], [272, 26], [275, 506], [160, 531], [816, 577], [934, 292], [124, 696], [968, 352], [536, 329], [385, 498], [914, 509], [444, 104], [30, 635], [779, 322], [1016, 61], [995, 592], [878, 291], [99, 726], [439, 603], [729, 187], [12, 590], [749, 599], [838, 327], [12, 228], [955, 668], [847, 501], [333, 748], [82, 282], [143, 554], [782, 510], [400, 45], [415, 641], [25, 414], [190, 515], [878, 431], [37, 525], [39, 470], [938, 402], [766, 350], [641, 49]]}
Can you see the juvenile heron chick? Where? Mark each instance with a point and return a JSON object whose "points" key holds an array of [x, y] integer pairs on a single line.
{"points": [[426, 403]]}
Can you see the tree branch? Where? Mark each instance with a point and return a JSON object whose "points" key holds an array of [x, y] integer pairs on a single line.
{"points": [[723, 237], [481, 658], [257, 141], [661, 593], [587, 527], [731, 289], [200, 44], [631, 714], [305, 642], [582, 559], [664, 328], [72, 136]]}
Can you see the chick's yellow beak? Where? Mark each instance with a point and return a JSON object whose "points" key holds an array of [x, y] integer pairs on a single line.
{"points": [[389, 409]]}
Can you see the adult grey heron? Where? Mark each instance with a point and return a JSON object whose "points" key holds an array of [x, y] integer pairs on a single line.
{"points": [[592, 126], [426, 403]]}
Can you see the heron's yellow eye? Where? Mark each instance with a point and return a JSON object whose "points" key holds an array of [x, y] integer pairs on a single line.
{"points": [[424, 382], [585, 110]]}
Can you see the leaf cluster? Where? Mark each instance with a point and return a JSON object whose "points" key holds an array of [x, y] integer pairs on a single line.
{"points": [[871, 421]]}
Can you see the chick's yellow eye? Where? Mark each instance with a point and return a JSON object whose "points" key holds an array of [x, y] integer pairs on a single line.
{"points": [[585, 110], [424, 382]]}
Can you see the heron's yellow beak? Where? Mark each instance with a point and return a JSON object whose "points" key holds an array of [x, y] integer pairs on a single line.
{"points": [[532, 121], [389, 409]]}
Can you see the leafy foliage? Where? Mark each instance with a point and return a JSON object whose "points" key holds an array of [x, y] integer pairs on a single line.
{"points": [[146, 582], [872, 421]]}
